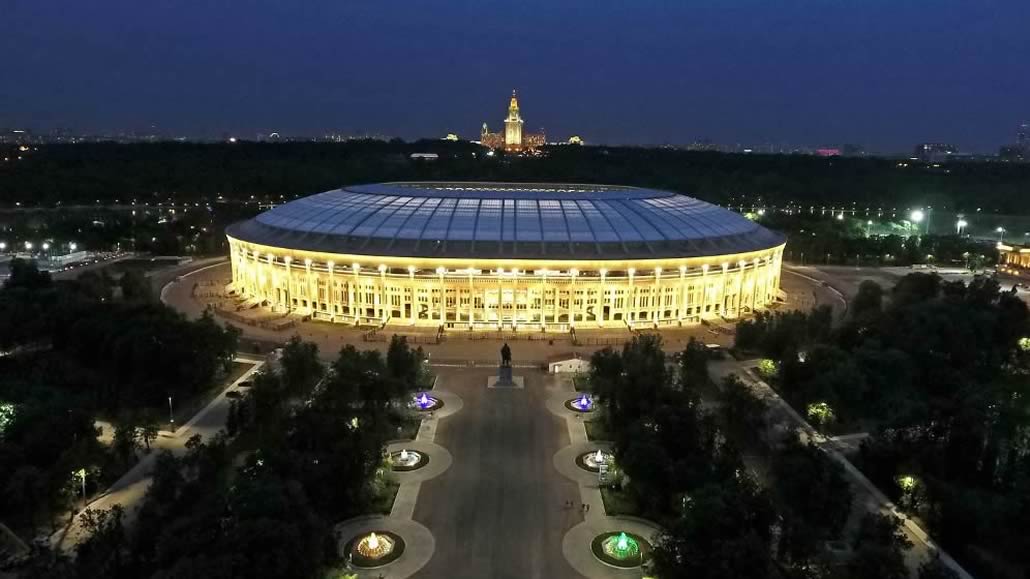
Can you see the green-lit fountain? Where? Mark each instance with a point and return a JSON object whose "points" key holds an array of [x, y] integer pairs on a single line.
{"points": [[621, 549]]}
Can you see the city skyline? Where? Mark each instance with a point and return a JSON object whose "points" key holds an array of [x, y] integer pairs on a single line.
{"points": [[799, 73]]}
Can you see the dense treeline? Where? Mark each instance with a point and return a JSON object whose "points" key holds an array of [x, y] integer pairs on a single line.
{"points": [[683, 466], [304, 451], [187, 171], [75, 351], [937, 371], [817, 240]]}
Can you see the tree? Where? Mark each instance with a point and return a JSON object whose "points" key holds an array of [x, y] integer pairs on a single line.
{"points": [[27, 486], [742, 412], [100, 554], [867, 303], [25, 274], [125, 440], [301, 366], [814, 495], [724, 532], [878, 549], [693, 365], [403, 363], [135, 286], [148, 430]]}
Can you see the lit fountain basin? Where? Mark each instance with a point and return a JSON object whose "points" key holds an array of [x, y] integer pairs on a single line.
{"points": [[407, 460], [621, 549], [581, 403], [423, 402], [375, 549], [593, 460]]}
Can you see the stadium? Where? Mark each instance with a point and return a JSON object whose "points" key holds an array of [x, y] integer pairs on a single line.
{"points": [[511, 256]]}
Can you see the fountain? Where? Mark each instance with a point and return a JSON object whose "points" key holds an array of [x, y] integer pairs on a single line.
{"points": [[621, 549], [583, 403], [425, 402], [593, 461], [375, 549], [406, 460]]}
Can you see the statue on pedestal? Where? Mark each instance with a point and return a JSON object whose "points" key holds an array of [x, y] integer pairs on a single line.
{"points": [[504, 370]]}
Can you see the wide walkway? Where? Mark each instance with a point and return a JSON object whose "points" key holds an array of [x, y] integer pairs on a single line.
{"points": [[499, 511]]}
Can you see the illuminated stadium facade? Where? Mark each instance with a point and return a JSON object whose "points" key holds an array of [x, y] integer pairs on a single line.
{"points": [[504, 255]]}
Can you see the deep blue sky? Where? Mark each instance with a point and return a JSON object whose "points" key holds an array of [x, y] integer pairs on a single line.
{"points": [[882, 73]]}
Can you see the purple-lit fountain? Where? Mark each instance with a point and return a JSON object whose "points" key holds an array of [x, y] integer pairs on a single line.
{"points": [[583, 403], [424, 402]]}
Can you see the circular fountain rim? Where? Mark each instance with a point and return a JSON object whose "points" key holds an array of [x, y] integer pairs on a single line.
{"points": [[423, 460], [644, 548], [363, 562], [571, 406]]}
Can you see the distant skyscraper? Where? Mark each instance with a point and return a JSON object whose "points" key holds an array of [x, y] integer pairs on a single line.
{"points": [[1023, 136], [513, 139]]}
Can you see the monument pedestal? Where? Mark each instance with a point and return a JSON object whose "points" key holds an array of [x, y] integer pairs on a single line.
{"points": [[504, 379]]}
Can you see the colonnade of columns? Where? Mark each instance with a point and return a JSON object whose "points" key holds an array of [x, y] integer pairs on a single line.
{"points": [[368, 292]]}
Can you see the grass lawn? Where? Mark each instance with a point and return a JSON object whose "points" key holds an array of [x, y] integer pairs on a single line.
{"points": [[596, 430], [581, 383], [406, 427], [618, 502], [383, 504]]}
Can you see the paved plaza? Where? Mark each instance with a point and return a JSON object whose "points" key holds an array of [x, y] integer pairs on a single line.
{"points": [[499, 511]]}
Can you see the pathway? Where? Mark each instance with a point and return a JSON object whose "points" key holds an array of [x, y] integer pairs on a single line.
{"points": [[130, 489], [576, 543], [867, 495]]}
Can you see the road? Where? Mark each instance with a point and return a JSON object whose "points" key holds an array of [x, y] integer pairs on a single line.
{"points": [[499, 510]]}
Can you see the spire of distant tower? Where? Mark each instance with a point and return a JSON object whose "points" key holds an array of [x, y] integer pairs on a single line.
{"points": [[513, 106]]}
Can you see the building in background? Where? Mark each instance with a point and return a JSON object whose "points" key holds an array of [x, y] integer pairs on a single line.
{"points": [[513, 139], [935, 151], [514, 256], [1023, 137]]}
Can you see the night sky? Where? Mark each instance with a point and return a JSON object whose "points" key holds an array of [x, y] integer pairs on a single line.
{"points": [[881, 73]]}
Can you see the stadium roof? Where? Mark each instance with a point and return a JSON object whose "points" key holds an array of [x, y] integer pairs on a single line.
{"points": [[506, 220]]}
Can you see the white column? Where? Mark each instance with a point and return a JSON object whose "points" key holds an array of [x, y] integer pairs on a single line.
{"points": [[631, 305]]}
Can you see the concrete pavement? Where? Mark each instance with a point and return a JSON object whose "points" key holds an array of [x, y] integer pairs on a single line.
{"points": [[576, 542]]}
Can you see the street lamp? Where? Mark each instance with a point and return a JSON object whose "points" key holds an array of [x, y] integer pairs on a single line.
{"points": [[1001, 234], [171, 415], [917, 216], [73, 246], [3, 246], [960, 225], [81, 473], [28, 246]]}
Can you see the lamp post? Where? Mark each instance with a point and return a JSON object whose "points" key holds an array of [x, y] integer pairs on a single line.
{"points": [[868, 226], [1001, 234], [960, 225], [81, 473], [171, 415]]}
